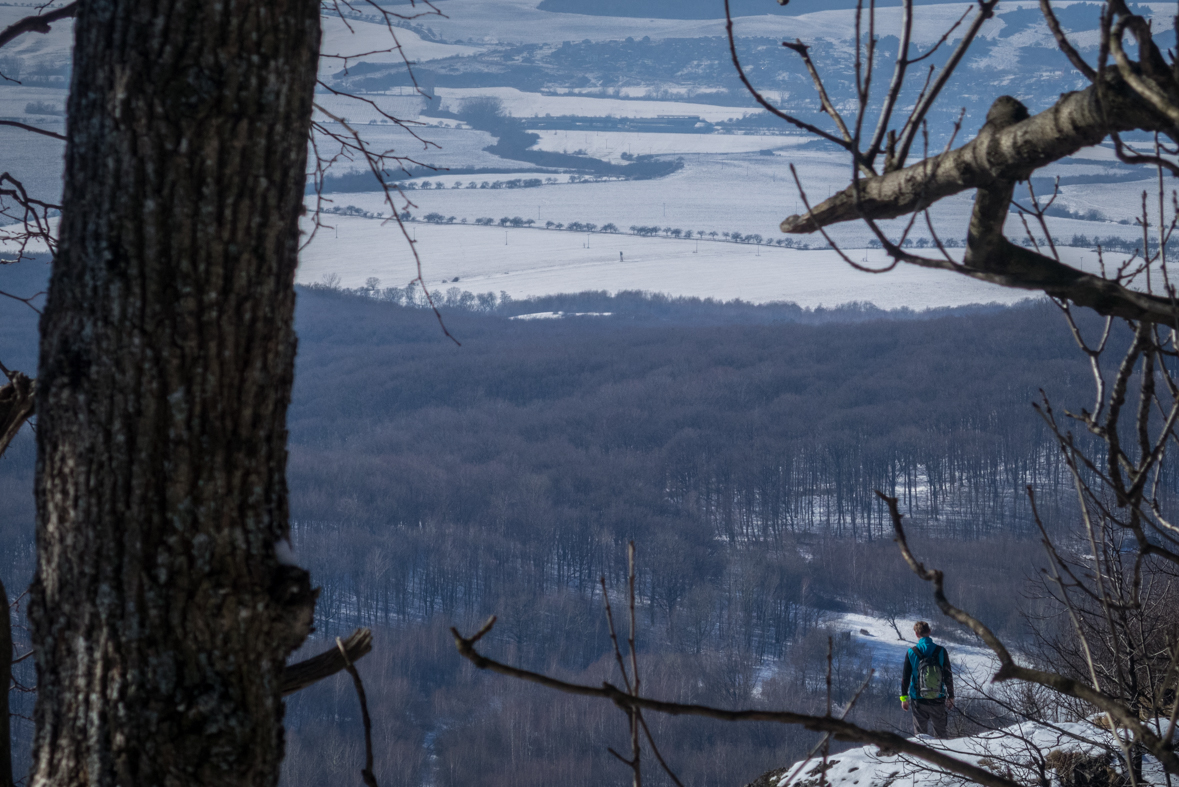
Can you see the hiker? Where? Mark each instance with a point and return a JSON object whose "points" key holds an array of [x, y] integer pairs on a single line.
{"points": [[927, 683]]}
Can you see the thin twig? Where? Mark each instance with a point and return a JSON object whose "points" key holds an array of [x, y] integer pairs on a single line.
{"points": [[34, 129], [367, 773], [762, 99]]}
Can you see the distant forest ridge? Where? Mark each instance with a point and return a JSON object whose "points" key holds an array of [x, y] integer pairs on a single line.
{"points": [[738, 431], [641, 305], [705, 9]]}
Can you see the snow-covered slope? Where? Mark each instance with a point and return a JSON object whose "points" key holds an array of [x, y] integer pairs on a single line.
{"points": [[973, 664], [1019, 751]]}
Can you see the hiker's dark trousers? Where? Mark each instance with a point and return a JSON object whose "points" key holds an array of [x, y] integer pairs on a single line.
{"points": [[926, 712]]}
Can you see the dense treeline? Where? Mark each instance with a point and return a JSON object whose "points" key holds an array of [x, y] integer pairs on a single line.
{"points": [[747, 432]]}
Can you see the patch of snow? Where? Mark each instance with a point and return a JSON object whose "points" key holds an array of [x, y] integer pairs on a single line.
{"points": [[522, 104], [610, 145], [558, 315], [973, 665]]}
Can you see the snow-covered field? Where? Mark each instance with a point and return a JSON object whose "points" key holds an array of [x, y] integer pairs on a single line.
{"points": [[402, 104], [15, 99], [36, 161], [45, 49], [527, 262], [742, 192], [725, 185]]}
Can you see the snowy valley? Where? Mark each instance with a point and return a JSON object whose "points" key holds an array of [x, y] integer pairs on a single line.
{"points": [[546, 311]]}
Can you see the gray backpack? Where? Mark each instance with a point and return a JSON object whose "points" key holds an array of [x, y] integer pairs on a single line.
{"points": [[929, 674]]}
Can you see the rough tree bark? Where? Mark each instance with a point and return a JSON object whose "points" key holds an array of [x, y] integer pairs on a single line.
{"points": [[161, 616]]}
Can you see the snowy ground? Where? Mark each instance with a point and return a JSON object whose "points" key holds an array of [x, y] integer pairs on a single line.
{"points": [[725, 185], [1014, 749], [45, 49], [16, 98], [527, 262], [973, 665], [1017, 748]]}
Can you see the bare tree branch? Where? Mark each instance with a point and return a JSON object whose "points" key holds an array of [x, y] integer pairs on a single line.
{"points": [[297, 677], [33, 129], [1012, 153], [39, 23], [986, 9], [1063, 43], [838, 728], [16, 407], [366, 773], [762, 99], [801, 50]]}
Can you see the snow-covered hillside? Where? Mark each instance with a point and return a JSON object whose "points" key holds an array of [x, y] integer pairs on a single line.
{"points": [[973, 664], [1023, 751]]}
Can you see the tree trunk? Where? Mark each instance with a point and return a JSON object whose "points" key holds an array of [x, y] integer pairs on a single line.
{"points": [[5, 682], [161, 616]]}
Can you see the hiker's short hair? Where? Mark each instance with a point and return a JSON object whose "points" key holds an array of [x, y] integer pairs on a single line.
{"points": [[921, 628]]}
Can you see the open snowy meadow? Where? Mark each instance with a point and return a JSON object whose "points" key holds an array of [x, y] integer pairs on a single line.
{"points": [[527, 262]]}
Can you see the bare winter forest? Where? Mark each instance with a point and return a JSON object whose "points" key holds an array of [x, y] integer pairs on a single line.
{"points": [[433, 485]]}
